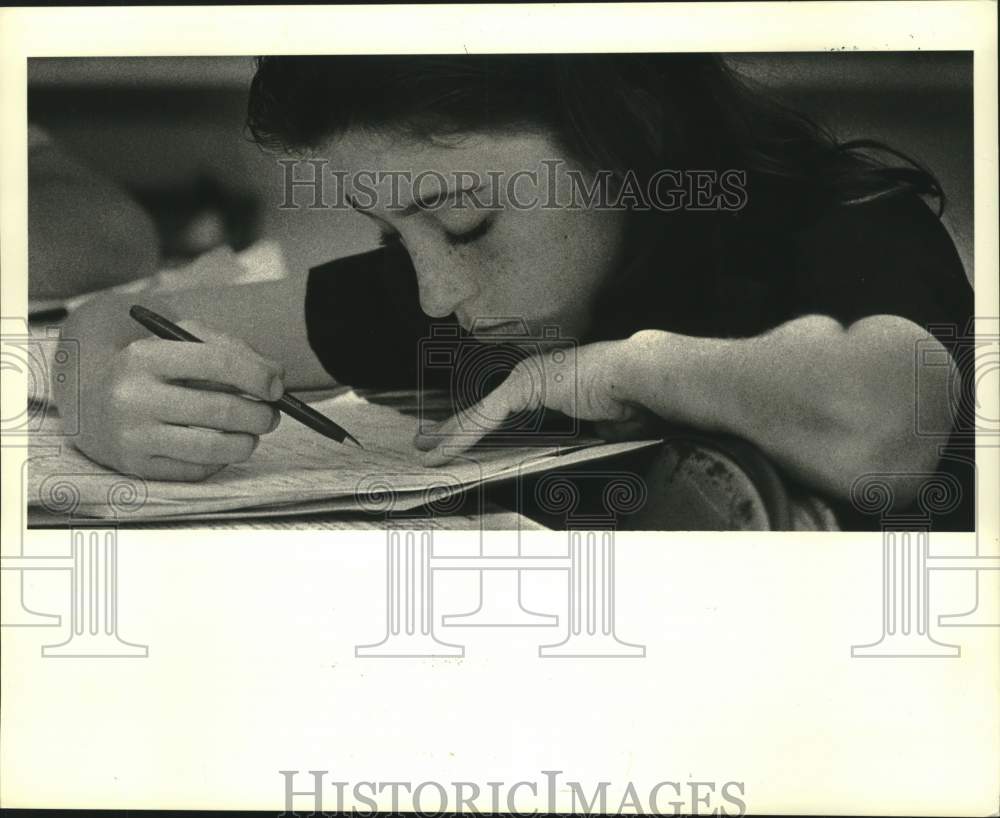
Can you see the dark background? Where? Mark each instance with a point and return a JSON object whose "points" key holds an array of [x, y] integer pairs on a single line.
{"points": [[171, 130]]}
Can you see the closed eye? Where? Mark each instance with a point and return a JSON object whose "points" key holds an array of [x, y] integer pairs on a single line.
{"points": [[469, 236], [392, 238]]}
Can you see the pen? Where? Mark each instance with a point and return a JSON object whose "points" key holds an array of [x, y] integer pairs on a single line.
{"points": [[293, 407]]}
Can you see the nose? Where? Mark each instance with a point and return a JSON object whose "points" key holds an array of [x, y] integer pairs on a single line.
{"points": [[442, 281]]}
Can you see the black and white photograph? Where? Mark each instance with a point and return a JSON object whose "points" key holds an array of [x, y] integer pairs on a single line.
{"points": [[360, 349], [656, 263]]}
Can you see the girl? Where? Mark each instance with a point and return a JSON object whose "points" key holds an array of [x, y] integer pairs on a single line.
{"points": [[720, 261]]}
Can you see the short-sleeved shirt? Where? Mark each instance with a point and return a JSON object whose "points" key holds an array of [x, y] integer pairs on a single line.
{"points": [[726, 275]]}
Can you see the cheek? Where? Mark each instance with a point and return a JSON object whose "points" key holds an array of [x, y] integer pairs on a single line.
{"points": [[541, 263], [572, 253], [529, 266]]}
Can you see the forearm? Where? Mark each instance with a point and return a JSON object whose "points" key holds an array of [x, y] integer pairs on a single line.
{"points": [[268, 316], [827, 404]]}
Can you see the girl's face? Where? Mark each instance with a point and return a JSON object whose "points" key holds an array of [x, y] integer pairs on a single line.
{"points": [[487, 249]]}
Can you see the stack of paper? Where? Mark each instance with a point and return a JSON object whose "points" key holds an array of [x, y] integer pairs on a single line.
{"points": [[297, 470]]}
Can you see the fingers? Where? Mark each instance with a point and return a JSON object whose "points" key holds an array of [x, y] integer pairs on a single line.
{"points": [[209, 409], [455, 435], [586, 397], [445, 441], [140, 420], [211, 336], [166, 468], [220, 360], [204, 447]]}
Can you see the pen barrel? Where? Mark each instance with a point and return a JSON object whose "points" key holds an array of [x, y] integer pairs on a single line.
{"points": [[308, 416], [160, 326]]}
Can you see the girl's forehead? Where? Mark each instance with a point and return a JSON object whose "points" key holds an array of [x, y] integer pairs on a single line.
{"points": [[388, 151]]}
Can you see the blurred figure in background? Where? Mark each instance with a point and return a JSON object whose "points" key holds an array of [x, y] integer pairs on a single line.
{"points": [[84, 232]]}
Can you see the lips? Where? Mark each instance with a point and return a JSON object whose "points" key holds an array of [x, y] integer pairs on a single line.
{"points": [[499, 329]]}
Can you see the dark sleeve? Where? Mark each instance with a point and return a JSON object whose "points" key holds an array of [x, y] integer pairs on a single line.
{"points": [[364, 321], [890, 256]]}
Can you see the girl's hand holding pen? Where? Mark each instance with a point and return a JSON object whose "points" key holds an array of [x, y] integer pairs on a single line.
{"points": [[165, 410]]}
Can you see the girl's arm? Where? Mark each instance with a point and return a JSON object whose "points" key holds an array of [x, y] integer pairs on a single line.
{"points": [[136, 408], [827, 403]]}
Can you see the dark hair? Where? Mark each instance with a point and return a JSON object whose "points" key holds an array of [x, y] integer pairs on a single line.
{"points": [[638, 112]]}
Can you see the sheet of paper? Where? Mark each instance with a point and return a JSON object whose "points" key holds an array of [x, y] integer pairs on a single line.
{"points": [[295, 467]]}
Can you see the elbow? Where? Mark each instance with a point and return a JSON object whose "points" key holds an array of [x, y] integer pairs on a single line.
{"points": [[887, 446], [874, 409]]}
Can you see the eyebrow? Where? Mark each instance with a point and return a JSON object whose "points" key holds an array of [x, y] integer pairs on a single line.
{"points": [[420, 203]]}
